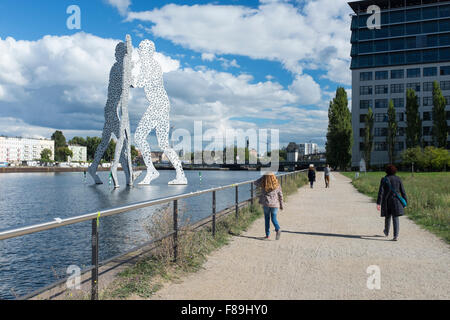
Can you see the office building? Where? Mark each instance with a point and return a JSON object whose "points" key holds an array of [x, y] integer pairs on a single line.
{"points": [[411, 49]]}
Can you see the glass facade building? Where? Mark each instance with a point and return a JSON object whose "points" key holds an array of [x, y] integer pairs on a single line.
{"points": [[410, 50]]}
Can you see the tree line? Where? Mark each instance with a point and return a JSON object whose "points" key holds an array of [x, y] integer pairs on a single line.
{"points": [[340, 136]]}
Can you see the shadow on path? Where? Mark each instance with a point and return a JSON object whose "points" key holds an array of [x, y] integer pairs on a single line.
{"points": [[339, 235], [249, 237]]}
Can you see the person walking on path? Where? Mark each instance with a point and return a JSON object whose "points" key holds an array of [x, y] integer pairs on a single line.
{"points": [[390, 201], [271, 199], [311, 175], [326, 174]]}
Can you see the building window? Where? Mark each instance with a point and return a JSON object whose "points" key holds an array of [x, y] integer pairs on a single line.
{"points": [[444, 25], [397, 58], [397, 44], [381, 75], [401, 131], [400, 116], [413, 73], [397, 74], [398, 102], [362, 132], [445, 85], [381, 117], [412, 28], [382, 45], [427, 131], [428, 86], [427, 101], [381, 89], [397, 88], [361, 146], [380, 132], [399, 146], [445, 71], [365, 104], [430, 56], [415, 86], [365, 76], [430, 72], [397, 16], [380, 146], [362, 118], [365, 47], [444, 39], [381, 103], [366, 90], [430, 27], [427, 116], [413, 15]]}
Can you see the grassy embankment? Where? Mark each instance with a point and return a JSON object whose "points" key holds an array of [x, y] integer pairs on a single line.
{"points": [[428, 197], [149, 273]]}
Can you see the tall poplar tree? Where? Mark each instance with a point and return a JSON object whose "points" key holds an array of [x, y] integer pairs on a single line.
{"points": [[368, 137], [413, 129], [391, 131], [340, 133], [439, 131]]}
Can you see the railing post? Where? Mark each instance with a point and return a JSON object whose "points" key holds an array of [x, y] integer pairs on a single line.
{"points": [[251, 193], [175, 229], [214, 213], [237, 202], [94, 272]]}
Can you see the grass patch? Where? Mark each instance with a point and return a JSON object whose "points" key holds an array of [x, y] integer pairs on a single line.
{"points": [[428, 197], [149, 273]]}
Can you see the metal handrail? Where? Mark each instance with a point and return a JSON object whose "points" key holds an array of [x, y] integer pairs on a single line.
{"points": [[13, 233]]}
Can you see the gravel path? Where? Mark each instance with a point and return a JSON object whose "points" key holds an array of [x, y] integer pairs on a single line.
{"points": [[330, 237]]}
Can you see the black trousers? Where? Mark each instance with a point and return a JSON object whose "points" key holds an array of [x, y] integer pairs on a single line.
{"points": [[387, 224]]}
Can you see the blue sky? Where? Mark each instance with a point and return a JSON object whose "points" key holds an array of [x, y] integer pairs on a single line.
{"points": [[231, 64]]}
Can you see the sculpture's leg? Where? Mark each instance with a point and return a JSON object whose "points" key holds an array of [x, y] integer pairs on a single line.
{"points": [[115, 164], [125, 168], [130, 176], [162, 134], [99, 153], [140, 138]]}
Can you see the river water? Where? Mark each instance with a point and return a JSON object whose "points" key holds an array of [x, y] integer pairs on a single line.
{"points": [[33, 261]]}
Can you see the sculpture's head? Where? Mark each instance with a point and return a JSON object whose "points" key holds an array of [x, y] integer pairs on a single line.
{"points": [[146, 47], [121, 50]]}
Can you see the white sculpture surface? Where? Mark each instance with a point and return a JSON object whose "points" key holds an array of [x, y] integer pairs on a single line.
{"points": [[117, 124], [156, 117]]}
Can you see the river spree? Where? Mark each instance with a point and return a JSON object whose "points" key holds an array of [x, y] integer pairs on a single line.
{"points": [[30, 262]]}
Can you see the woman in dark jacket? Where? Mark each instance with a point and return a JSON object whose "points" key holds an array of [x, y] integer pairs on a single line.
{"points": [[311, 174], [388, 202]]}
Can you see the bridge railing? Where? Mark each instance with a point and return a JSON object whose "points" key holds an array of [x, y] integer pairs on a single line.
{"points": [[95, 216]]}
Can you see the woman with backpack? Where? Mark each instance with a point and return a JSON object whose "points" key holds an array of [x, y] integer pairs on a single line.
{"points": [[271, 199], [391, 200]]}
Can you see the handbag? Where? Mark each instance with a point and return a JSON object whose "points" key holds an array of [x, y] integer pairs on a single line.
{"points": [[399, 197]]}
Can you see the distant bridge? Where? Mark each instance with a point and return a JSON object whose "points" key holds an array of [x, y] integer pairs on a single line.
{"points": [[282, 166]]}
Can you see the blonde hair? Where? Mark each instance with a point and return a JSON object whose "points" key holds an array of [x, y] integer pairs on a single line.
{"points": [[269, 182]]}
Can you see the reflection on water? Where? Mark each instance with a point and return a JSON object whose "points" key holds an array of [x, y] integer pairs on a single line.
{"points": [[33, 261]]}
